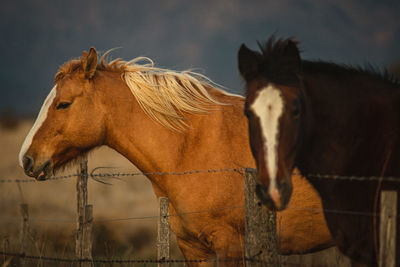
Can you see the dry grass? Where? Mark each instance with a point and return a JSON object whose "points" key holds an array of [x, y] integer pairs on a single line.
{"points": [[52, 208]]}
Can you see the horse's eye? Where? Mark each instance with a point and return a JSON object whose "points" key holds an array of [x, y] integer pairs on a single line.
{"points": [[296, 111], [63, 105]]}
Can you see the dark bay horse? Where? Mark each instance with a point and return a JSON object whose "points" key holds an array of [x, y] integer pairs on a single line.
{"points": [[324, 119], [167, 121]]}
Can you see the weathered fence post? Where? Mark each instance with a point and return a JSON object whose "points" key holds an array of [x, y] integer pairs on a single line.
{"points": [[163, 232], [83, 242], [388, 224], [260, 227], [6, 247], [24, 232]]}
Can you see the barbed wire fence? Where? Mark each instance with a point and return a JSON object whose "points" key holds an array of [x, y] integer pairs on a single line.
{"points": [[260, 224]]}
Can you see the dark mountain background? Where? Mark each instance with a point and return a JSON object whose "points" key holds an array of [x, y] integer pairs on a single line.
{"points": [[38, 36]]}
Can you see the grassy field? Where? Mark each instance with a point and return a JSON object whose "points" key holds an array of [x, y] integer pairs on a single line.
{"points": [[52, 206], [52, 211]]}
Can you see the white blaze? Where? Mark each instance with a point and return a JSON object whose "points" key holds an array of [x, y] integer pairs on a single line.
{"points": [[268, 107], [38, 123]]}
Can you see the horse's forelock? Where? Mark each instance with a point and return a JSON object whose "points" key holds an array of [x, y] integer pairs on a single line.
{"points": [[281, 62], [67, 68]]}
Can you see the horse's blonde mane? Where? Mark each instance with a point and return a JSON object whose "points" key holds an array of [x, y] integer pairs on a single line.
{"points": [[164, 95]]}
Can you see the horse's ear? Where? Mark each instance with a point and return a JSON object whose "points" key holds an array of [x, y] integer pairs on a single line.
{"points": [[89, 63], [292, 54], [248, 61]]}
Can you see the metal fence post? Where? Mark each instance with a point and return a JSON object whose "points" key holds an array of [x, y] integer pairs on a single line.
{"points": [[388, 224], [163, 232], [83, 242], [260, 227]]}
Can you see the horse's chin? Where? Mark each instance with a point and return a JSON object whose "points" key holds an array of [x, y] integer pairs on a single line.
{"points": [[60, 167], [42, 176], [55, 166], [64, 164]]}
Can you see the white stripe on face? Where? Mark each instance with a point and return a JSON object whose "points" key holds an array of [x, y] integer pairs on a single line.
{"points": [[38, 123], [268, 107]]}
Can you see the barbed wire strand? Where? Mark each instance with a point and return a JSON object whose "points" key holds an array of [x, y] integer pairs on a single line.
{"points": [[32, 180], [240, 170], [119, 174], [180, 173], [127, 218], [52, 220], [120, 261]]}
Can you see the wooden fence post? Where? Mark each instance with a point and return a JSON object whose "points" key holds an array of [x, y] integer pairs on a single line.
{"points": [[6, 247], [83, 242], [163, 232], [388, 224], [260, 227], [24, 232]]}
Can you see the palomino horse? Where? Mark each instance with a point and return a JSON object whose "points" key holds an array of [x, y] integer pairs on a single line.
{"points": [[324, 119], [165, 121]]}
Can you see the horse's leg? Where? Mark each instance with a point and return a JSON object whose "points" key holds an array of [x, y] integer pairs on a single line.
{"points": [[191, 252], [229, 247]]}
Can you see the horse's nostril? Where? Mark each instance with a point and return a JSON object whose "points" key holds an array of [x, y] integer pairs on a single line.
{"points": [[28, 163], [262, 194]]}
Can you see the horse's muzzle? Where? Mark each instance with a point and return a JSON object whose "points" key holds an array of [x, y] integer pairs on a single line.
{"points": [[279, 201], [40, 173]]}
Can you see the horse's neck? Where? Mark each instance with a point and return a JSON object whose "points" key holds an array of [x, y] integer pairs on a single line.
{"points": [[148, 145], [343, 125], [206, 144]]}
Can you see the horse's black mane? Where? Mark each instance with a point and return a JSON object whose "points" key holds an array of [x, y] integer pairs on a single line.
{"points": [[368, 70], [280, 63]]}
